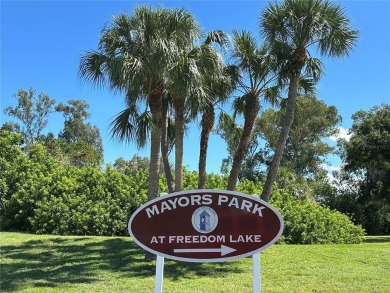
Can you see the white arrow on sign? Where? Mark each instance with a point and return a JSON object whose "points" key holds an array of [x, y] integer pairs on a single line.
{"points": [[223, 250]]}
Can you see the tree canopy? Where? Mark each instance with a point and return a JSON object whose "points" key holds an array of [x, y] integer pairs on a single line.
{"points": [[32, 111], [361, 188], [306, 146]]}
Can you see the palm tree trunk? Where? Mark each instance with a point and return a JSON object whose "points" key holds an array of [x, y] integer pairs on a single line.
{"points": [[179, 135], [164, 148], [283, 136], [249, 117], [154, 165], [208, 118]]}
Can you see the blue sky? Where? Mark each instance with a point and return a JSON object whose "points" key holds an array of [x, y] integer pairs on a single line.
{"points": [[42, 41]]}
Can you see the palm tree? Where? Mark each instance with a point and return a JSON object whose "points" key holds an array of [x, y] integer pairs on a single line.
{"points": [[182, 78], [221, 86], [189, 86], [134, 55], [291, 28], [219, 80], [254, 83]]}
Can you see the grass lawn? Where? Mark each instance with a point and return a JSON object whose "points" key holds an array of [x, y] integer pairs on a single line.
{"points": [[39, 263]]}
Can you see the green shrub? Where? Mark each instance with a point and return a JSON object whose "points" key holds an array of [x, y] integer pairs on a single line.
{"points": [[39, 194], [307, 222], [90, 202], [28, 180]]}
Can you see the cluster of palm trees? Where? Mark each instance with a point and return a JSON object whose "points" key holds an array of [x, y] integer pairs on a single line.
{"points": [[171, 72]]}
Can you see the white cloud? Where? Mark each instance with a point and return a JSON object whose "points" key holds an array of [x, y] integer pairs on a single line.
{"points": [[343, 133], [330, 169], [334, 168]]}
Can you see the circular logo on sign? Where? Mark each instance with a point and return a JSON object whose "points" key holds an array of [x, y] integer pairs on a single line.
{"points": [[204, 219]]}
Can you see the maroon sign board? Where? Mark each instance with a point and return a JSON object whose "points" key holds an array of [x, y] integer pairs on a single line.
{"points": [[205, 225]]}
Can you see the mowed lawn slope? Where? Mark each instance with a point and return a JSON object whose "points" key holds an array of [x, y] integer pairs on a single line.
{"points": [[39, 263]]}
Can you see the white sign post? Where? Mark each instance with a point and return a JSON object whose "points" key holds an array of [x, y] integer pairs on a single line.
{"points": [[256, 273], [256, 264], [158, 286]]}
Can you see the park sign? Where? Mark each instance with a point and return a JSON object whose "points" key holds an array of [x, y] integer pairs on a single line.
{"points": [[205, 225]]}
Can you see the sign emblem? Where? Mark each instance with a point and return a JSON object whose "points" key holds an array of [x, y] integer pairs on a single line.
{"points": [[204, 219], [205, 225]]}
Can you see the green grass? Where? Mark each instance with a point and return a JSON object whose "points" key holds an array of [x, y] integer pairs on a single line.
{"points": [[39, 263]]}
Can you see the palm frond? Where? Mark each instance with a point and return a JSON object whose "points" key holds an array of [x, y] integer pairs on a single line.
{"points": [[130, 126], [144, 125], [219, 37], [244, 48], [272, 95], [301, 24], [229, 130], [336, 36], [123, 126], [92, 67], [306, 85], [314, 68]]}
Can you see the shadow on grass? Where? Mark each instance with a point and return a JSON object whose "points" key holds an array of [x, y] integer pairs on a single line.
{"points": [[377, 239], [55, 261]]}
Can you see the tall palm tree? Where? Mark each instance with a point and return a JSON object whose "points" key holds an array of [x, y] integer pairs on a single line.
{"points": [[134, 55], [219, 80], [182, 78], [254, 84], [189, 86], [291, 28], [221, 86]]}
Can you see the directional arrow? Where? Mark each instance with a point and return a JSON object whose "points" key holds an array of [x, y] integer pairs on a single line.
{"points": [[223, 250]]}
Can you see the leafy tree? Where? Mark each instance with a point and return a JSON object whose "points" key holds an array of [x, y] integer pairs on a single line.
{"points": [[306, 149], [369, 149], [132, 166], [252, 167], [81, 154], [291, 28], [24, 180], [11, 126], [32, 111], [10, 154], [367, 167], [83, 138]]}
